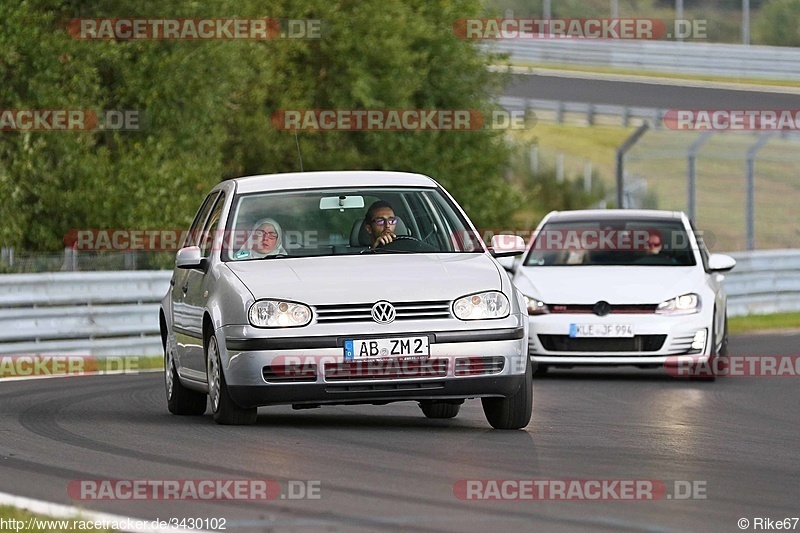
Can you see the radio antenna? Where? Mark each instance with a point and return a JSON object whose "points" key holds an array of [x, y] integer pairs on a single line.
{"points": [[300, 157]]}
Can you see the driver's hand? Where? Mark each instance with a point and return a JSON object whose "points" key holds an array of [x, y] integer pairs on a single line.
{"points": [[385, 238]]}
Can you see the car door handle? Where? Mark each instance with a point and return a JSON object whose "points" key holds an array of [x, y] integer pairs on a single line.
{"points": [[185, 287]]}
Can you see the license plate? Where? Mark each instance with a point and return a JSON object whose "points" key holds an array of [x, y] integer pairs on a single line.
{"points": [[356, 349], [601, 330]]}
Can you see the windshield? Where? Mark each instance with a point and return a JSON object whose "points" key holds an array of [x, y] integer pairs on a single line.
{"points": [[333, 222], [653, 242]]}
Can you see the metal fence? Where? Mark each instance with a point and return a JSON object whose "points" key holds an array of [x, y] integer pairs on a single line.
{"points": [[710, 59], [116, 313], [733, 184]]}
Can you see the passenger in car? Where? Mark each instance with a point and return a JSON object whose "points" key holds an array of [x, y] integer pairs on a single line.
{"points": [[265, 240], [380, 222]]}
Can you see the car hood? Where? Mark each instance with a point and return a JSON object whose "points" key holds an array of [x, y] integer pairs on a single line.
{"points": [[615, 285], [368, 277]]}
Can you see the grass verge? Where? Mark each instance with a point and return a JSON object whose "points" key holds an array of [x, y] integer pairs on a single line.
{"points": [[14, 519], [657, 166], [753, 323]]}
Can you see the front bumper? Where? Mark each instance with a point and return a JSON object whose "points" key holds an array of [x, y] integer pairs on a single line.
{"points": [[658, 339], [375, 393], [311, 370]]}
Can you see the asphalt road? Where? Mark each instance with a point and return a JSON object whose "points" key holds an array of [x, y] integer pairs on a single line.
{"points": [[389, 468], [635, 94]]}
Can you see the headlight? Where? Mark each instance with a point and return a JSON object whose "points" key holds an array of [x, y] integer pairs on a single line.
{"points": [[686, 304], [535, 307], [279, 314], [481, 306]]}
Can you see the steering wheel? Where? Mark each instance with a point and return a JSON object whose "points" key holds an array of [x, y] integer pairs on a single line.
{"points": [[406, 238], [408, 243]]}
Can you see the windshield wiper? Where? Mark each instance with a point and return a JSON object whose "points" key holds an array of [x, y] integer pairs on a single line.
{"points": [[389, 251]]}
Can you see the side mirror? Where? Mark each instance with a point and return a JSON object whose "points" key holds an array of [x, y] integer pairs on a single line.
{"points": [[507, 245], [189, 257], [720, 263]]}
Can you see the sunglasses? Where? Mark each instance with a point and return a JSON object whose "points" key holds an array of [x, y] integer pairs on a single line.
{"points": [[383, 221]]}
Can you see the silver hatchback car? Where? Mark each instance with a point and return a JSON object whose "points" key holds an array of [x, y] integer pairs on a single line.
{"points": [[325, 288]]}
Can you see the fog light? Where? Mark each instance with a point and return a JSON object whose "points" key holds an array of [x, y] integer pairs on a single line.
{"points": [[699, 340]]}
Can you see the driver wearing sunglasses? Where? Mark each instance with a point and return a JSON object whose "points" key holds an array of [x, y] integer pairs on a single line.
{"points": [[380, 222]]}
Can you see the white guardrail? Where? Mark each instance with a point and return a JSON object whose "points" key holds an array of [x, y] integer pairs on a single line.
{"points": [[710, 59], [85, 313], [584, 113], [116, 313]]}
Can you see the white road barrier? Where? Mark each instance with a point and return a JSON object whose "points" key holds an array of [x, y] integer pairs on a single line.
{"points": [[116, 313]]}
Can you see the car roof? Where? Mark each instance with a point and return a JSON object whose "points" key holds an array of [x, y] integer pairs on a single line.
{"points": [[345, 178], [612, 214]]}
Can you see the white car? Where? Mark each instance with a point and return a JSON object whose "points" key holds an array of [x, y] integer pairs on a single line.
{"points": [[622, 287], [280, 296]]}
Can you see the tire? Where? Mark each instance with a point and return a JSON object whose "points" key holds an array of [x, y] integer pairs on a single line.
{"points": [[224, 409], [542, 369], [720, 357], [434, 409], [515, 411], [723, 350], [180, 400]]}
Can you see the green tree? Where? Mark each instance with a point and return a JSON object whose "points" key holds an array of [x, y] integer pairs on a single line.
{"points": [[208, 104], [778, 23]]}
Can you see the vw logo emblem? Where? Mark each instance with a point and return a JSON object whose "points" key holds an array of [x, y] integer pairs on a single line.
{"points": [[383, 313], [601, 308]]}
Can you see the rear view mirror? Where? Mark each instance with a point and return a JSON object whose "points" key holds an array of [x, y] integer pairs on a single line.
{"points": [[341, 202]]}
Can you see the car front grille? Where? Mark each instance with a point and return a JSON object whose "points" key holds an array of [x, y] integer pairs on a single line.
{"points": [[339, 313], [387, 387], [386, 369], [637, 343], [616, 309]]}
